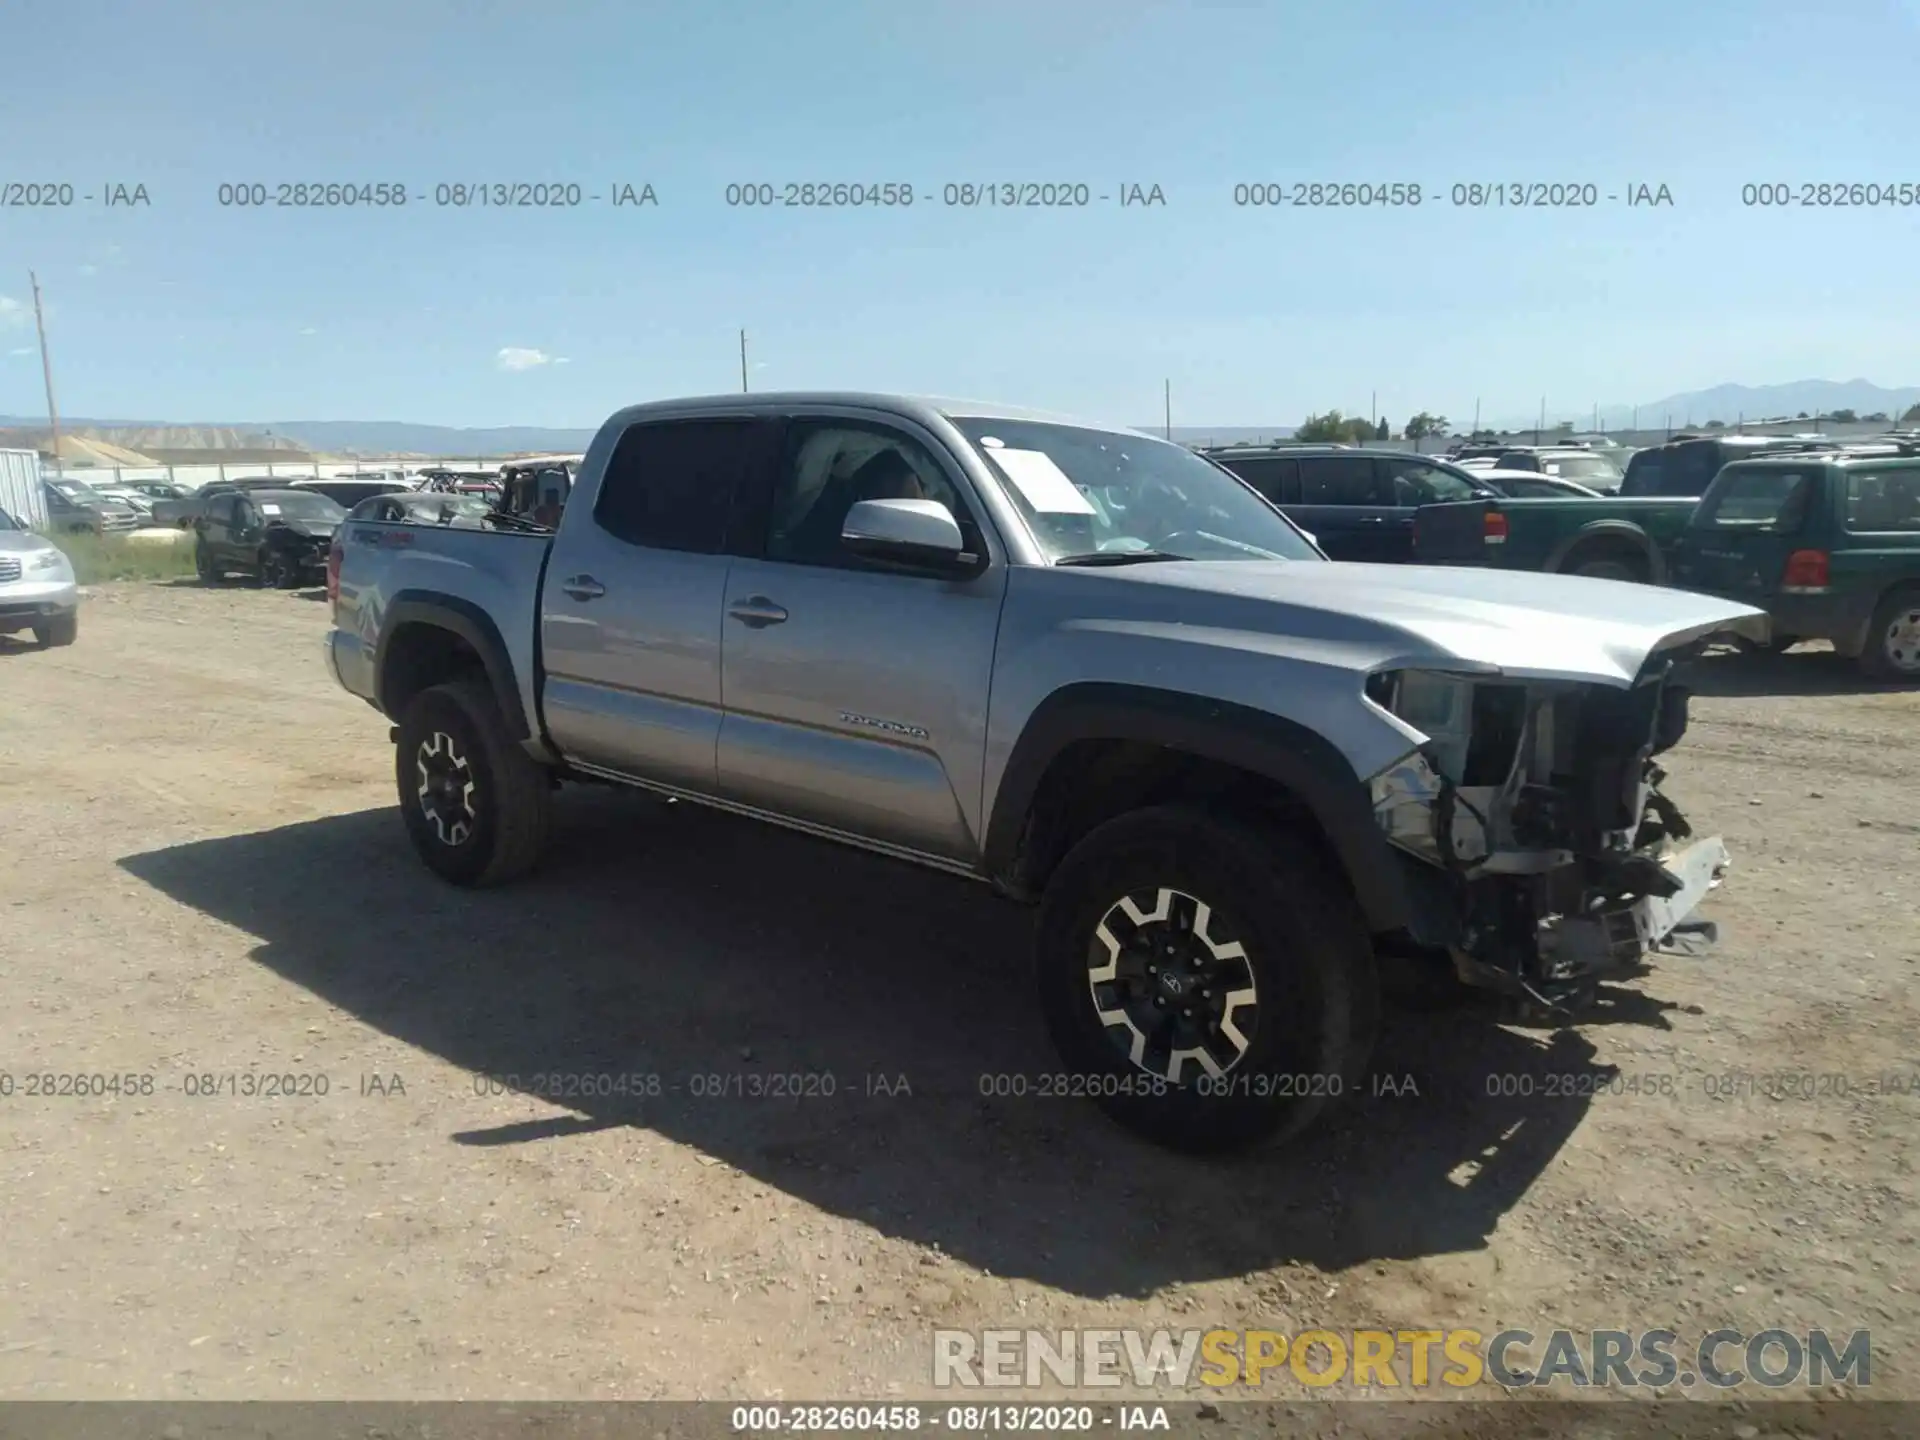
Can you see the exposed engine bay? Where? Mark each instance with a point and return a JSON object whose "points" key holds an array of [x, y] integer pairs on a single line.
{"points": [[1541, 803]]}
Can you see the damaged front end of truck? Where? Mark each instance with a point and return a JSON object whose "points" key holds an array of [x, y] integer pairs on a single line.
{"points": [[1536, 805]]}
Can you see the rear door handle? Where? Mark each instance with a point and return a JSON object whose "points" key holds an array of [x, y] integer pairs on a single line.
{"points": [[583, 587], [757, 612]]}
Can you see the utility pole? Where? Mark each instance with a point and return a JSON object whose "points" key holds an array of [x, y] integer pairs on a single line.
{"points": [[743, 362], [46, 371], [1542, 423], [1168, 394], [1476, 415]]}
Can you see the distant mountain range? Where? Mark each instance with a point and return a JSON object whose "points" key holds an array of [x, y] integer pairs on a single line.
{"points": [[1726, 403], [1730, 404]]}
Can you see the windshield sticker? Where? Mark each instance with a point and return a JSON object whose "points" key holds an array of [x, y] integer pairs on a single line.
{"points": [[266, 509], [1044, 484]]}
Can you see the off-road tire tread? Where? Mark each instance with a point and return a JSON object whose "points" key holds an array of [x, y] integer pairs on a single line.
{"points": [[1265, 866], [523, 794]]}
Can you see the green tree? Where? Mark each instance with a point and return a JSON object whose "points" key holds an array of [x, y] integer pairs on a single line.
{"points": [[1843, 417], [1383, 431], [1424, 424], [1716, 424], [1911, 416], [1332, 427]]}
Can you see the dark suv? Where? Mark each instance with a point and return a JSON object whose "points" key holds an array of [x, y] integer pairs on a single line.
{"points": [[1358, 504], [1686, 465]]}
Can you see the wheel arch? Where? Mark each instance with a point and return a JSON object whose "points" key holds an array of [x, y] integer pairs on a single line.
{"points": [[426, 639], [1611, 534], [1093, 750]]}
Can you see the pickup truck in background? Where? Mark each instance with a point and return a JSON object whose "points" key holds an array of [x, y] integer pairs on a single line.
{"points": [[1086, 667], [1606, 537]]}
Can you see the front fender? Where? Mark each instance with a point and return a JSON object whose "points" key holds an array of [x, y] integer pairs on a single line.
{"points": [[1394, 892]]}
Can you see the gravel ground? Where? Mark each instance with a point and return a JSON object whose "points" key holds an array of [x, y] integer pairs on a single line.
{"points": [[203, 876]]}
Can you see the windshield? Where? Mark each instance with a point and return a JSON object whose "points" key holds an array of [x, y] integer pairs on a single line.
{"points": [[1757, 500], [77, 491], [294, 505], [1104, 492]]}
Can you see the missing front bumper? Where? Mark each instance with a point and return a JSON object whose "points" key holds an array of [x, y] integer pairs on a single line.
{"points": [[1617, 938]]}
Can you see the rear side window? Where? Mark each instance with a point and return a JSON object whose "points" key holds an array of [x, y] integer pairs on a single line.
{"points": [[1273, 477], [1883, 500], [1339, 480], [1771, 500], [670, 485]]}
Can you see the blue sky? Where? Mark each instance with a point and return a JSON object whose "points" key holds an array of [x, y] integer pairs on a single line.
{"points": [[185, 310]]}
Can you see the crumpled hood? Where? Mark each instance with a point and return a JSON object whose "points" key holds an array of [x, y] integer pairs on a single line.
{"points": [[1383, 617]]}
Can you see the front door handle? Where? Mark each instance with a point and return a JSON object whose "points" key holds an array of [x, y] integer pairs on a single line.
{"points": [[583, 587], [757, 612]]}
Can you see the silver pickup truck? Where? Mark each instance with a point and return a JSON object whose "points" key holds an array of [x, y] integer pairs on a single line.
{"points": [[1087, 667]]}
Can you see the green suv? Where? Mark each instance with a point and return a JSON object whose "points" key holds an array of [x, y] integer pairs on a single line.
{"points": [[1827, 544]]}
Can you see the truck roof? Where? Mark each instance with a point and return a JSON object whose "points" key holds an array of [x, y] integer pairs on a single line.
{"points": [[914, 407]]}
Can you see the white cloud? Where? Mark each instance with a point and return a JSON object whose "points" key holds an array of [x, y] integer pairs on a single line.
{"points": [[12, 312], [309, 331], [21, 350], [520, 357], [89, 269]]}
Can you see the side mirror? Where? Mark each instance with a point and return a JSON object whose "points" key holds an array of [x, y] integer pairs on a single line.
{"points": [[911, 532]]}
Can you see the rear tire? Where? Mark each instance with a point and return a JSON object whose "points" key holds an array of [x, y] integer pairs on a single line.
{"points": [[1249, 937], [477, 807], [1892, 651], [57, 630], [1610, 569]]}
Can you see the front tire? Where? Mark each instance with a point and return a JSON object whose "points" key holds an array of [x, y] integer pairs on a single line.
{"points": [[1207, 983], [477, 807], [57, 630], [203, 566], [1892, 651]]}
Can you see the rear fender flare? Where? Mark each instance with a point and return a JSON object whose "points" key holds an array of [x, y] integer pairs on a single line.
{"points": [[473, 625]]}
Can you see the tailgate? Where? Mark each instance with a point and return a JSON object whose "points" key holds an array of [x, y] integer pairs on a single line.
{"points": [[1451, 534]]}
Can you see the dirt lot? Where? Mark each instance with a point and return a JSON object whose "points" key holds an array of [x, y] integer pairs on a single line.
{"points": [[203, 875]]}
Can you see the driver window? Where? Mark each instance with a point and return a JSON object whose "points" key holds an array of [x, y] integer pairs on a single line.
{"points": [[828, 467]]}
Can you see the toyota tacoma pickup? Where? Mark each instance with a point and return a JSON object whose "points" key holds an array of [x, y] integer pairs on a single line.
{"points": [[1089, 668]]}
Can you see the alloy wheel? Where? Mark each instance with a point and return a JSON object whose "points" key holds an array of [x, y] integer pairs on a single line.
{"points": [[447, 791], [1173, 987]]}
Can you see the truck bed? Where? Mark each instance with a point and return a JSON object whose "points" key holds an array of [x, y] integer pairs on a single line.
{"points": [[1542, 534], [491, 575]]}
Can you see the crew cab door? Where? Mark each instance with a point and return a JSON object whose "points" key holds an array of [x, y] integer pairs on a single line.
{"points": [[630, 607], [856, 693]]}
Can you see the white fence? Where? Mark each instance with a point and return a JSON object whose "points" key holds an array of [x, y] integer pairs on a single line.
{"points": [[194, 476]]}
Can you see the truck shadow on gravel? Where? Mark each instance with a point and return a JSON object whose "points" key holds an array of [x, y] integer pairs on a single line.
{"points": [[718, 954]]}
